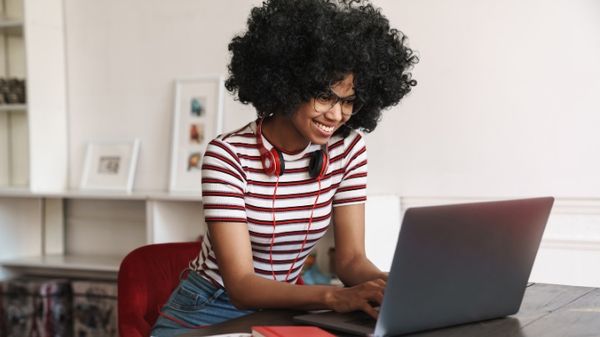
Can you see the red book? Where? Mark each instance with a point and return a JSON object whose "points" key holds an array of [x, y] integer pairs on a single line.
{"points": [[289, 331]]}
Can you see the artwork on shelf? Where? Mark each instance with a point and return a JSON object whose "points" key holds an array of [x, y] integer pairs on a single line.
{"points": [[110, 166], [197, 118]]}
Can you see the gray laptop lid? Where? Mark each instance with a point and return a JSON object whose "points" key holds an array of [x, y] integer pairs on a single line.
{"points": [[461, 263]]}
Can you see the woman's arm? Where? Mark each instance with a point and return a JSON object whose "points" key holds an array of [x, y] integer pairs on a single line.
{"points": [[231, 244], [351, 263]]}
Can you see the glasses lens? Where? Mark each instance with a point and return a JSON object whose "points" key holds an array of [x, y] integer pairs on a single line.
{"points": [[347, 107], [356, 107], [324, 102]]}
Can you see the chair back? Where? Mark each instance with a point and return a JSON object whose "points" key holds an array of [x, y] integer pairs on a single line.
{"points": [[147, 276]]}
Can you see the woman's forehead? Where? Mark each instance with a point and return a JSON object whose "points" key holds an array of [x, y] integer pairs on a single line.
{"points": [[344, 87]]}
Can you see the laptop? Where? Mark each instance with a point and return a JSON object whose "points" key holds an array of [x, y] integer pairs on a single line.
{"points": [[453, 264]]}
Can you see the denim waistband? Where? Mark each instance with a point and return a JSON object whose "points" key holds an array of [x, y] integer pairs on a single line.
{"points": [[202, 283]]}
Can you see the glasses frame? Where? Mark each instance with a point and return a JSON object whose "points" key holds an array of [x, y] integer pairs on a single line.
{"points": [[356, 105]]}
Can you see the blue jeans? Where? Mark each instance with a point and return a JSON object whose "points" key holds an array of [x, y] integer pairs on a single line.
{"points": [[194, 303]]}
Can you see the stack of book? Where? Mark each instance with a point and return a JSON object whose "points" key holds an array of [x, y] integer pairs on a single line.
{"points": [[35, 307], [95, 309], [57, 308], [289, 331]]}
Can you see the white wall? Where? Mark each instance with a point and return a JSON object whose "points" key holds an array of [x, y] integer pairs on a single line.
{"points": [[506, 104], [507, 101], [122, 59]]}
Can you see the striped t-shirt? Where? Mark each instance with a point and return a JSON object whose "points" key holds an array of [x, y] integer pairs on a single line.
{"points": [[235, 189]]}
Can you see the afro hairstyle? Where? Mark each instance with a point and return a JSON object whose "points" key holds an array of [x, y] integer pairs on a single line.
{"points": [[295, 49]]}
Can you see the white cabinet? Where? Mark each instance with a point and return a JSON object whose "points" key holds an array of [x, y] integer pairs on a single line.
{"points": [[20, 228], [86, 234]]}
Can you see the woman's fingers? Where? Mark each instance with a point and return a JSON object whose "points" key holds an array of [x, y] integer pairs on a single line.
{"points": [[381, 282], [376, 297], [373, 297], [365, 297], [370, 310]]}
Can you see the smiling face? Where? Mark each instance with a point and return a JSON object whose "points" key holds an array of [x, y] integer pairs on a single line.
{"points": [[306, 125], [318, 127]]}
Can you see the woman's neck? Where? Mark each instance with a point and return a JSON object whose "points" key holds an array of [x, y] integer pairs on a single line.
{"points": [[281, 133]]}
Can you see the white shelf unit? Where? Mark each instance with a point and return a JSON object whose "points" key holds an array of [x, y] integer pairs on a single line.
{"points": [[33, 136], [37, 232], [87, 233]]}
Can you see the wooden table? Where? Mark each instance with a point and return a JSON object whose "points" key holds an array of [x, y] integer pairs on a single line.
{"points": [[547, 310]]}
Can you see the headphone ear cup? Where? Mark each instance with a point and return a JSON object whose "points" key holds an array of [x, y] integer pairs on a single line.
{"points": [[279, 163], [325, 164], [268, 162], [315, 166], [272, 162]]}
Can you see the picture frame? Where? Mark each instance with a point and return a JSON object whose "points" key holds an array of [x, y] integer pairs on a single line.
{"points": [[110, 166], [197, 119]]}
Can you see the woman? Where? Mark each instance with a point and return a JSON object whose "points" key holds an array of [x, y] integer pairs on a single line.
{"points": [[316, 71]]}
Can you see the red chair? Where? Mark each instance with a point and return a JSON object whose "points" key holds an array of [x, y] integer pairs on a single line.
{"points": [[147, 276]]}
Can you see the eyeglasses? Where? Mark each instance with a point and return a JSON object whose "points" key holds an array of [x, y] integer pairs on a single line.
{"points": [[325, 101]]}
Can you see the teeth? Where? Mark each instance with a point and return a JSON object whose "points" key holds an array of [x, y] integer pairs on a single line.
{"points": [[325, 128]]}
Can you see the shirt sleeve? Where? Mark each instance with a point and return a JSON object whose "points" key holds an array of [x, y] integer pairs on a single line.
{"points": [[223, 184], [353, 187]]}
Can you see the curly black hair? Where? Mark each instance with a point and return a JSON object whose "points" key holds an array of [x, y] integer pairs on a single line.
{"points": [[294, 49]]}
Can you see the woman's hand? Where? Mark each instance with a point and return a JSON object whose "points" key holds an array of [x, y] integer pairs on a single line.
{"points": [[364, 296]]}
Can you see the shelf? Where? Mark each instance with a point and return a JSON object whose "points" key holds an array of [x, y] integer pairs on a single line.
{"points": [[24, 192], [11, 26], [20, 192], [135, 195], [67, 262], [15, 192], [171, 196], [89, 194], [105, 267], [13, 107]]}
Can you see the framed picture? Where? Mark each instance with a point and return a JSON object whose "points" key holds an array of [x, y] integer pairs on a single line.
{"points": [[197, 119], [110, 166]]}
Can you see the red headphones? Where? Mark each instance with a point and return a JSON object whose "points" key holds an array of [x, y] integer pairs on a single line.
{"points": [[274, 165]]}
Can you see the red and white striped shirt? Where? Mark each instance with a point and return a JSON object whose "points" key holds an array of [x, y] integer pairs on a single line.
{"points": [[235, 189]]}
